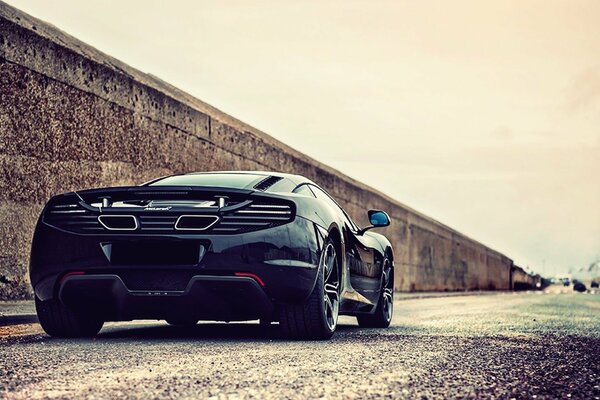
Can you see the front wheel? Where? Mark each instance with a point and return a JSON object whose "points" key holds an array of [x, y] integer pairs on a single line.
{"points": [[382, 317], [317, 317], [58, 320]]}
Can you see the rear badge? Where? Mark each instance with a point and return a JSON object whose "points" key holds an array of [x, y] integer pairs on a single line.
{"points": [[157, 208]]}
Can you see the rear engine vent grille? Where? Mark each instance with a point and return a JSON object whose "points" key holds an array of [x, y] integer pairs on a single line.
{"points": [[72, 217], [255, 217], [267, 183]]}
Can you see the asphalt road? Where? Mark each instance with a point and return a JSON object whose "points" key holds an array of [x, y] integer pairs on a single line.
{"points": [[494, 346]]}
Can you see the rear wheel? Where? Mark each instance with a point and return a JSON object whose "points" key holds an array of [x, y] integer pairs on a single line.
{"points": [[382, 317], [58, 320], [317, 317]]}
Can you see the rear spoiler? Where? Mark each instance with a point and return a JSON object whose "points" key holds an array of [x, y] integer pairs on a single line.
{"points": [[110, 195], [227, 199], [159, 192]]}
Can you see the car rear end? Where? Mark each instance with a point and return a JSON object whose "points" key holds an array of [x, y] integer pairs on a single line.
{"points": [[172, 252]]}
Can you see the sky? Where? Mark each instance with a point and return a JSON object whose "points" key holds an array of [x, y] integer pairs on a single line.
{"points": [[483, 115]]}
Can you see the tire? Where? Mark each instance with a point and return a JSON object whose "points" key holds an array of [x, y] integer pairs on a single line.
{"points": [[316, 318], [59, 321], [382, 317], [182, 322]]}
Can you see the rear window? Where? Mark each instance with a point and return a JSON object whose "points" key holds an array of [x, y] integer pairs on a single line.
{"points": [[238, 181]]}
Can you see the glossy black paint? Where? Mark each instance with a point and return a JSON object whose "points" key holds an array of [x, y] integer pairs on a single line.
{"points": [[198, 271]]}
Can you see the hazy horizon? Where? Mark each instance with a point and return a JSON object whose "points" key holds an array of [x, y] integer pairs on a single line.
{"points": [[482, 115]]}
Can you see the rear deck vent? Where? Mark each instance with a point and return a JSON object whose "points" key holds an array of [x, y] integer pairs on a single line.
{"points": [[255, 217], [71, 216], [195, 222], [118, 222], [267, 183]]}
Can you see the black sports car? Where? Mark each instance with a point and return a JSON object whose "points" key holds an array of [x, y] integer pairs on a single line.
{"points": [[225, 246]]}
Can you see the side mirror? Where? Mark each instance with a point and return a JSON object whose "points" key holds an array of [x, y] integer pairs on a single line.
{"points": [[377, 219]]}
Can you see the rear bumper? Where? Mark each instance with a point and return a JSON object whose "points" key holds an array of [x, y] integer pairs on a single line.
{"points": [[285, 258], [223, 298]]}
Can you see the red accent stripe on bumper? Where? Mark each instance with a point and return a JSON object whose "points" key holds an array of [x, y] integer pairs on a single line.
{"points": [[253, 276]]}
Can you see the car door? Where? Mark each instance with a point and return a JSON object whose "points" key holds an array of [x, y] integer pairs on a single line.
{"points": [[364, 269]]}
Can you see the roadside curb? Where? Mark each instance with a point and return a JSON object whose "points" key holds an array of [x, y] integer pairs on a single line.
{"points": [[15, 312], [6, 320], [402, 296]]}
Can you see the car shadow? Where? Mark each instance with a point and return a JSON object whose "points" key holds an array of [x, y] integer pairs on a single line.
{"points": [[149, 331], [204, 331]]}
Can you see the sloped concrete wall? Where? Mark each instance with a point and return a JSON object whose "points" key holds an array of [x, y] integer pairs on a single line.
{"points": [[72, 117]]}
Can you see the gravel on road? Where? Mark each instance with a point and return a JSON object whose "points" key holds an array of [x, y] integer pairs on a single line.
{"points": [[508, 345]]}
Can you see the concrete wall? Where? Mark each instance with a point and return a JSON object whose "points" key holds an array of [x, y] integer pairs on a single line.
{"points": [[72, 117]]}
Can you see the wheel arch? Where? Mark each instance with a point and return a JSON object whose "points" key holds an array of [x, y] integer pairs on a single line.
{"points": [[336, 236], [389, 252], [335, 233]]}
